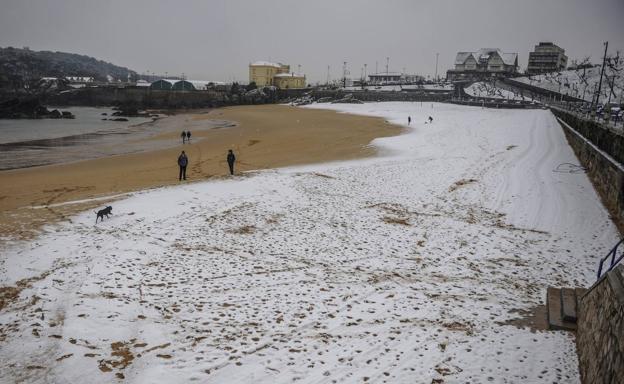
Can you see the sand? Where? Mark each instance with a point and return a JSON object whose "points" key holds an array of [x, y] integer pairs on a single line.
{"points": [[262, 137]]}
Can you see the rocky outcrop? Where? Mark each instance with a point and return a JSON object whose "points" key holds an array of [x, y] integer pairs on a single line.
{"points": [[30, 109]]}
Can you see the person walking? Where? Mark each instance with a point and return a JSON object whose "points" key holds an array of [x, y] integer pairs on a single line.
{"points": [[182, 163], [409, 120], [188, 136], [230, 160], [183, 136]]}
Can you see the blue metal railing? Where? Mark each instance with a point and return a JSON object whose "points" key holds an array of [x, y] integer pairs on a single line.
{"points": [[614, 258]]}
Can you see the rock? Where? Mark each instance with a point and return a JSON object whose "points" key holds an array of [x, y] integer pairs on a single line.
{"points": [[128, 111], [119, 119], [67, 115], [23, 109], [55, 114]]}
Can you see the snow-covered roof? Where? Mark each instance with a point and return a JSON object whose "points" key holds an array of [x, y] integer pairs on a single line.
{"points": [[289, 75], [509, 58], [462, 57], [142, 83], [265, 64], [203, 84], [485, 53]]}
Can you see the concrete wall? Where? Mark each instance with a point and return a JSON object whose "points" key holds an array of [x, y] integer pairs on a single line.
{"points": [[600, 335], [601, 152]]}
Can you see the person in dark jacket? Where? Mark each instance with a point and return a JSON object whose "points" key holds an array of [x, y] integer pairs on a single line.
{"points": [[183, 136], [409, 120], [230, 160], [188, 136], [182, 162]]}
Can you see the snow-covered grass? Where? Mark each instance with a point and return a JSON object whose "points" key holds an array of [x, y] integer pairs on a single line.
{"points": [[491, 90], [402, 268], [580, 83]]}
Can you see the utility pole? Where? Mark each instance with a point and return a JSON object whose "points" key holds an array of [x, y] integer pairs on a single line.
{"points": [[387, 64], [365, 73], [344, 74], [436, 73], [604, 59]]}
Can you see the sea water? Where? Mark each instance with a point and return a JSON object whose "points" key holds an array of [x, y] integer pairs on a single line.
{"points": [[28, 143]]}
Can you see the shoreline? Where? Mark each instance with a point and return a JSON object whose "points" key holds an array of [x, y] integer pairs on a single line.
{"points": [[262, 137], [129, 151]]}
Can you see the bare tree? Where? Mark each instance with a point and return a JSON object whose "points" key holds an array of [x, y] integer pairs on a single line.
{"points": [[614, 71], [580, 69]]}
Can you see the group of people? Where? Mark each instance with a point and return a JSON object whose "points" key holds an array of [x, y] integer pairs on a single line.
{"points": [[186, 135], [409, 120], [183, 162]]}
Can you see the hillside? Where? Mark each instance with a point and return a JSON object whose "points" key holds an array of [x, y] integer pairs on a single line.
{"points": [[23, 66]]}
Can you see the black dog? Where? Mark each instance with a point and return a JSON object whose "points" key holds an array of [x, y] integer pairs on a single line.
{"points": [[100, 214]]}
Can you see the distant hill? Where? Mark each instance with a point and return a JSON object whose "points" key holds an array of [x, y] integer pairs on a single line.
{"points": [[23, 66]]}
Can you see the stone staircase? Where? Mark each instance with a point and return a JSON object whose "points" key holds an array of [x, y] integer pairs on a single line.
{"points": [[562, 304]]}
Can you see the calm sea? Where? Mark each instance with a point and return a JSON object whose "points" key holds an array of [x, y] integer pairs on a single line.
{"points": [[27, 143]]}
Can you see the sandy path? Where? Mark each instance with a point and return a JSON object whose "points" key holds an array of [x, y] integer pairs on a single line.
{"points": [[264, 136]]}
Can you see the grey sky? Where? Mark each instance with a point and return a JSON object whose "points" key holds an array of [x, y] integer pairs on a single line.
{"points": [[216, 39]]}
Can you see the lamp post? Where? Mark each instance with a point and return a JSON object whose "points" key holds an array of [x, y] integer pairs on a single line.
{"points": [[327, 76], [436, 72]]}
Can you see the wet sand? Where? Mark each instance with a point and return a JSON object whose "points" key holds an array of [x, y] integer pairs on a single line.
{"points": [[262, 137]]}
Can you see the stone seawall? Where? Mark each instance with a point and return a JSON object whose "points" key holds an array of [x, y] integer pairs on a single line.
{"points": [[598, 149], [412, 95], [600, 335], [605, 138], [148, 98]]}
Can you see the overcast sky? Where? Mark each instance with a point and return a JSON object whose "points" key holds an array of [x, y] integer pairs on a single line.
{"points": [[217, 39]]}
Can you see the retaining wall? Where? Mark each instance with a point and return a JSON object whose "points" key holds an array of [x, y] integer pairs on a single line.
{"points": [[601, 151], [600, 334]]}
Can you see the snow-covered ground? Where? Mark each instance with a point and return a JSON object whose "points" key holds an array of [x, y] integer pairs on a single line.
{"points": [[488, 89], [404, 268], [580, 83]]}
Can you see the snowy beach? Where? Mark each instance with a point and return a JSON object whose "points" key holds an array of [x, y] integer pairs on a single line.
{"points": [[425, 263], [262, 136]]}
